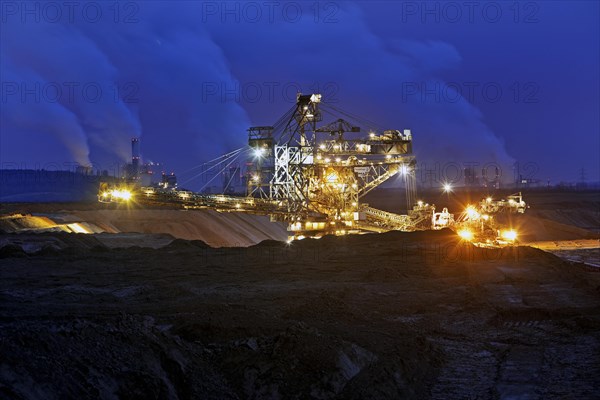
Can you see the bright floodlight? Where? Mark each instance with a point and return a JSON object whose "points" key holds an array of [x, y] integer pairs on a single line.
{"points": [[465, 234], [447, 187], [125, 194], [258, 152], [472, 212], [121, 194], [509, 235]]}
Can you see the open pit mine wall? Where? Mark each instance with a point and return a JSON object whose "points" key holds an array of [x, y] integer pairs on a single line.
{"points": [[228, 229]]}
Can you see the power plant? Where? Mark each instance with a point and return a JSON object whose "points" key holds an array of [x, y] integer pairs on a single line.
{"points": [[314, 176]]}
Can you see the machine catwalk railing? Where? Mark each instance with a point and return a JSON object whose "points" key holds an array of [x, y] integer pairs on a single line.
{"points": [[313, 176]]}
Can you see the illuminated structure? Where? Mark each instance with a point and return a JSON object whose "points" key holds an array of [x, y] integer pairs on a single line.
{"points": [[140, 174], [320, 172], [314, 176], [478, 224]]}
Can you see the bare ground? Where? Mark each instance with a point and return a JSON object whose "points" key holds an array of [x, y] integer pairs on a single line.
{"points": [[394, 315], [397, 315]]}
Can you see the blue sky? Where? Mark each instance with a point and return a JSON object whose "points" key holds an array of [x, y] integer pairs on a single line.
{"points": [[494, 82]]}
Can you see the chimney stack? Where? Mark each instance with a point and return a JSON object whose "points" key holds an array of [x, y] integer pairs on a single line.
{"points": [[135, 154]]}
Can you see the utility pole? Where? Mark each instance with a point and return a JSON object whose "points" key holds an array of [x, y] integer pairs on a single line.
{"points": [[582, 175], [582, 185]]}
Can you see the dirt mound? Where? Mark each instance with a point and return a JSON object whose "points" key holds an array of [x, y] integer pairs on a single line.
{"points": [[214, 228], [10, 250], [420, 315], [217, 229], [124, 357], [48, 243], [181, 244], [399, 315], [22, 222], [125, 240]]}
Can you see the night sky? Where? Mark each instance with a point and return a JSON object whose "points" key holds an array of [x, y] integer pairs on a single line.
{"points": [[478, 83]]}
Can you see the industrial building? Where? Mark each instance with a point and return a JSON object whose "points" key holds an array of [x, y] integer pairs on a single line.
{"points": [[314, 175]]}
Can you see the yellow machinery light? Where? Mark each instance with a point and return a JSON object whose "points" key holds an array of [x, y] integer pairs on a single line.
{"points": [[420, 203], [125, 194], [509, 235], [472, 212], [489, 199], [121, 194], [332, 177], [465, 234]]}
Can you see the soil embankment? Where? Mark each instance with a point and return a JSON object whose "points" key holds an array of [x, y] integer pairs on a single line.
{"points": [[396, 315], [134, 310], [233, 229]]}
